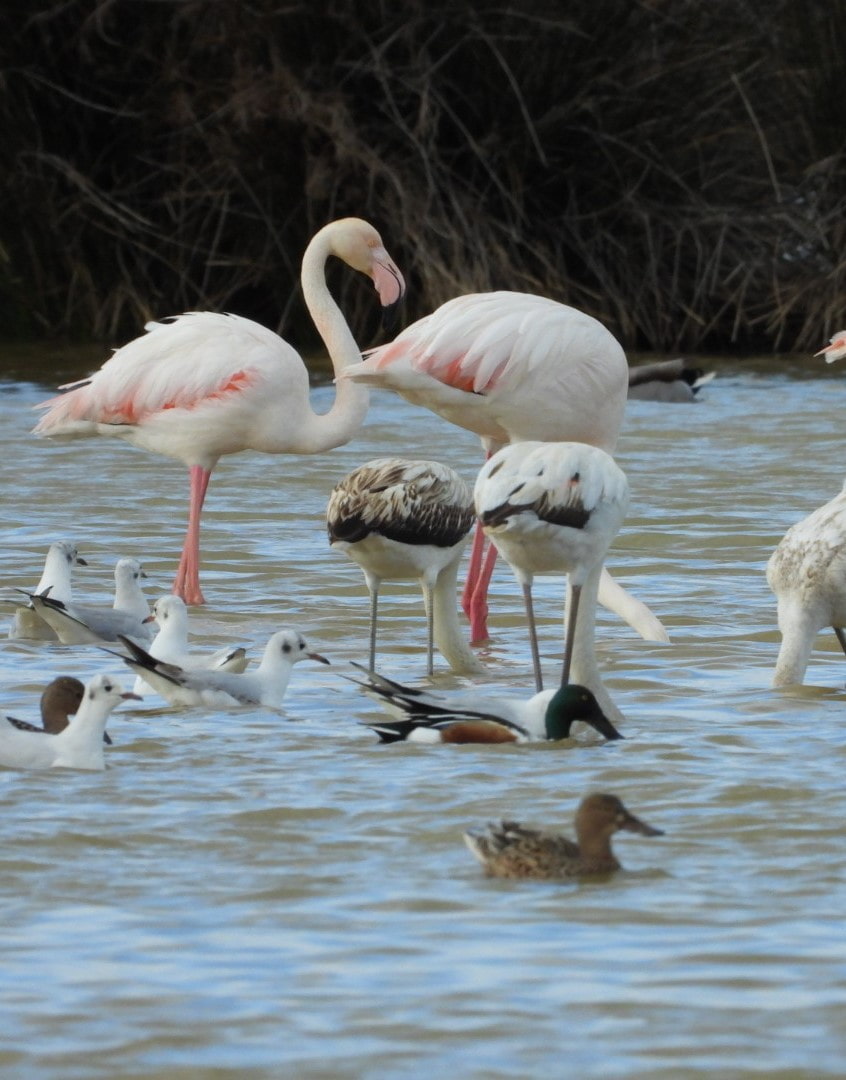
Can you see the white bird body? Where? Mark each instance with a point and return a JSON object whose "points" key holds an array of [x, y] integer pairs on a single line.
{"points": [[84, 624], [508, 366], [205, 384], [264, 685], [512, 367], [171, 643], [62, 556], [400, 520], [78, 746], [556, 507], [807, 572]]}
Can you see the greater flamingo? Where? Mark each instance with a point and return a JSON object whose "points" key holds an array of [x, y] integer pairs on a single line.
{"points": [[509, 367], [266, 685], [836, 349], [510, 850], [429, 717], [807, 572], [556, 507], [205, 384], [399, 520], [78, 746]]}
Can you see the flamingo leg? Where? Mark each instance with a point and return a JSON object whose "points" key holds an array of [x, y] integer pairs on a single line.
{"points": [[533, 634], [187, 583], [572, 616], [429, 601], [374, 611], [474, 567]]}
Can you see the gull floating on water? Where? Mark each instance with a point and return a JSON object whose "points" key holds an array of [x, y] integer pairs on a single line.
{"points": [[78, 746], [82, 624], [62, 556], [60, 700], [508, 849], [265, 685], [171, 643]]}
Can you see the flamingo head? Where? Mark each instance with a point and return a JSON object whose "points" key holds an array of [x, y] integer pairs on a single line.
{"points": [[836, 350], [360, 246]]}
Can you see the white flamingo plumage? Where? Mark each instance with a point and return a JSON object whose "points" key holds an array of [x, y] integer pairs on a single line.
{"points": [[836, 348], [557, 507], [205, 384], [400, 520], [807, 572], [512, 367]]}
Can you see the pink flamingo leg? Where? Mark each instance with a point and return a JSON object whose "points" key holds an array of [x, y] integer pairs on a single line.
{"points": [[187, 583], [478, 613], [474, 567]]}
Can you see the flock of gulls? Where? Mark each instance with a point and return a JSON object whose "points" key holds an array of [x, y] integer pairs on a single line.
{"points": [[543, 385]]}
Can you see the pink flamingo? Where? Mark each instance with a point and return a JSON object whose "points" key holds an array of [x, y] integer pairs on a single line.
{"points": [[205, 384], [513, 367]]}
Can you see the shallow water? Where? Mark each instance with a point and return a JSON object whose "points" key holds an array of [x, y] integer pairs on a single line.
{"points": [[263, 895]]}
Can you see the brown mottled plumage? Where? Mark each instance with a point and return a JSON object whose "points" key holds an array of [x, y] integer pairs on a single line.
{"points": [[399, 520], [508, 849]]}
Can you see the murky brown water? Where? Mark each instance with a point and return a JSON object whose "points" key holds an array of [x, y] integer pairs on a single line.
{"points": [[254, 895]]}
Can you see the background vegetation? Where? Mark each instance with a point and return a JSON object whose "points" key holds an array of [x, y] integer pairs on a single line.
{"points": [[672, 166]]}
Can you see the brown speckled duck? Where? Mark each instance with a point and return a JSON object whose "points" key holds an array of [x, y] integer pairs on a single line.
{"points": [[507, 849]]}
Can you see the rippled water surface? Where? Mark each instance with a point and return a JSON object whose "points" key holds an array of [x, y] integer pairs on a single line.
{"points": [[261, 895]]}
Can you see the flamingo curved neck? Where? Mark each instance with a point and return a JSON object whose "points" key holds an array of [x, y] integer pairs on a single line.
{"points": [[584, 668], [798, 632], [447, 631], [323, 431]]}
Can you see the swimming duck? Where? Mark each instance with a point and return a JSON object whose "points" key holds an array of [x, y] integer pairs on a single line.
{"points": [[424, 716], [667, 380], [507, 849]]}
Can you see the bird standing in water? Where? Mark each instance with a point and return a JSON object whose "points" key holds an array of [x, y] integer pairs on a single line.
{"points": [[401, 519], [203, 385]]}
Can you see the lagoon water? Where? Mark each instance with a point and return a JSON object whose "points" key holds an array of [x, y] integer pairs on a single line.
{"points": [[261, 895]]}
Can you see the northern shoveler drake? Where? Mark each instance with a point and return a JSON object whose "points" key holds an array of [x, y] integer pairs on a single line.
{"points": [[424, 716], [507, 849]]}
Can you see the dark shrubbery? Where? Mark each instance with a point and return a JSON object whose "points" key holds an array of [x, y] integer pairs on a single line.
{"points": [[672, 166]]}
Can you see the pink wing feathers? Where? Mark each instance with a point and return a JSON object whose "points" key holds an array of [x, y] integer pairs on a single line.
{"points": [[182, 363]]}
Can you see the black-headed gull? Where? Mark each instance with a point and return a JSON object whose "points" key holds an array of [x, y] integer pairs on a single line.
{"points": [[265, 685], [81, 624], [468, 717], [78, 746], [171, 643], [59, 702], [62, 556]]}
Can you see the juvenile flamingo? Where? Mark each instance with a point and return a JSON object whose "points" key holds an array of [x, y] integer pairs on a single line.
{"points": [[556, 507], [807, 572], [510, 367], [205, 384], [399, 520]]}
